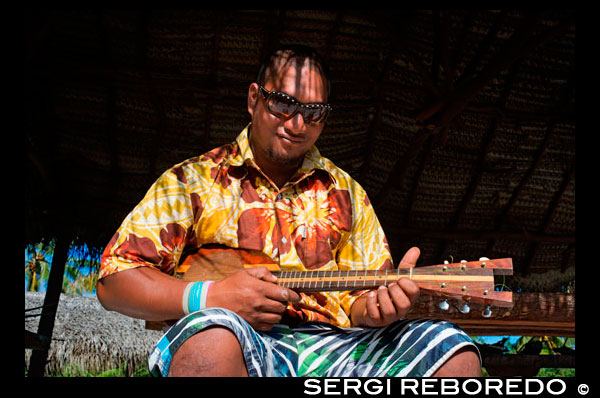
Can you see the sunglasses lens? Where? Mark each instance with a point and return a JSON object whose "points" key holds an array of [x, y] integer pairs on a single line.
{"points": [[283, 106], [315, 115]]}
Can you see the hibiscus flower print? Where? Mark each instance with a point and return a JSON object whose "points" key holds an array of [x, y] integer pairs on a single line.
{"points": [[321, 214]]}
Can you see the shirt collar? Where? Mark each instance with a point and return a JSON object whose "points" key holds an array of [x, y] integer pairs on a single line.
{"points": [[312, 159]]}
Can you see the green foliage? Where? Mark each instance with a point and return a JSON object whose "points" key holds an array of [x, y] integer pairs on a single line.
{"points": [[37, 265], [81, 270], [540, 345]]}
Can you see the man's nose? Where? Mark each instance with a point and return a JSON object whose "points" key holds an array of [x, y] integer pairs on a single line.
{"points": [[296, 123]]}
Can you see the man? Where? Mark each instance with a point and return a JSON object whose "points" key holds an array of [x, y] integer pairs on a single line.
{"points": [[270, 194]]}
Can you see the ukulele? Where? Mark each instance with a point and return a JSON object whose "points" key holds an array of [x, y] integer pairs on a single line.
{"points": [[467, 281]]}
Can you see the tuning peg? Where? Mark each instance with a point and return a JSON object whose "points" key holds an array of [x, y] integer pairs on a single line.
{"points": [[487, 312], [444, 305], [465, 308]]}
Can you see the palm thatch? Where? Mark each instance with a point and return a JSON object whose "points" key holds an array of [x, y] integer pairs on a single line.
{"points": [[460, 124], [88, 339]]}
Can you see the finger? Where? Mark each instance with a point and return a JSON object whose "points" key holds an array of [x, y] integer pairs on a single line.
{"points": [[401, 301], [278, 293], [268, 306], [294, 297], [281, 293], [387, 308], [262, 273], [410, 258], [267, 321], [372, 308], [410, 289]]}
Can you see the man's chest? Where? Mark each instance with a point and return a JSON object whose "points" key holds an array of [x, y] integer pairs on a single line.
{"points": [[300, 226]]}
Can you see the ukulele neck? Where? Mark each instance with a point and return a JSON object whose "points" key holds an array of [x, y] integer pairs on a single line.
{"points": [[314, 281]]}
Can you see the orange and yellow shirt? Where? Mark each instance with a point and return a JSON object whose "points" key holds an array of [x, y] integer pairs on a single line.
{"points": [[319, 220]]}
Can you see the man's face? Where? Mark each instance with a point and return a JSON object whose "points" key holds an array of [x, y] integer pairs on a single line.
{"points": [[283, 142]]}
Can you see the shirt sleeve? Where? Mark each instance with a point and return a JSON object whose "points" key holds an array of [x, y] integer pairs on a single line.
{"points": [[157, 229], [366, 247]]}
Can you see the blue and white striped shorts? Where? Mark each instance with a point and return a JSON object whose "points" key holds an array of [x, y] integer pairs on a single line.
{"points": [[409, 347]]}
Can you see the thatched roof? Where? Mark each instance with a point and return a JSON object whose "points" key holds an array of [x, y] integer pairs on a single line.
{"points": [[459, 124], [87, 338]]}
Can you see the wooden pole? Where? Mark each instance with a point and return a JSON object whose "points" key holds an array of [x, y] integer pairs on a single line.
{"points": [[37, 364]]}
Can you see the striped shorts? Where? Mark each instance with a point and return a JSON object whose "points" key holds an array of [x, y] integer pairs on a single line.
{"points": [[413, 348]]}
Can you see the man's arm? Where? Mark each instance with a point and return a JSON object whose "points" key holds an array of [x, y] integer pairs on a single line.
{"points": [[142, 292], [149, 294]]}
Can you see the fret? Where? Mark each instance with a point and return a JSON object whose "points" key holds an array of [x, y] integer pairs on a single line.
{"points": [[297, 279], [331, 276]]}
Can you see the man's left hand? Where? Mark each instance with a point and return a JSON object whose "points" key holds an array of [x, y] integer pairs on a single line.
{"points": [[386, 305]]}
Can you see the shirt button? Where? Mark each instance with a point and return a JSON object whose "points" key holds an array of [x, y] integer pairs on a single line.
{"points": [[284, 240]]}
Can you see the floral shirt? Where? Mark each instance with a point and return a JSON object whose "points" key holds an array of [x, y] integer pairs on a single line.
{"points": [[321, 219]]}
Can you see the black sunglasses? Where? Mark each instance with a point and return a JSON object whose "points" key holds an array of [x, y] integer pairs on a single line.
{"points": [[285, 106]]}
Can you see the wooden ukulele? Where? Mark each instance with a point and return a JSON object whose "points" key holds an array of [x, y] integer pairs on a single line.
{"points": [[466, 281]]}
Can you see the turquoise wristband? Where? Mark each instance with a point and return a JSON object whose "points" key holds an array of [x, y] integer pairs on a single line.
{"points": [[186, 298], [198, 293]]}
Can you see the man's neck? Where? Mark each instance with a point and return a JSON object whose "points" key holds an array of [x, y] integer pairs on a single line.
{"points": [[279, 174]]}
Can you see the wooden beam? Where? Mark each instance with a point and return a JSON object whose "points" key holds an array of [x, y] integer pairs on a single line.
{"points": [[483, 235], [415, 187], [523, 365], [567, 178], [520, 47], [458, 52], [533, 314], [479, 172], [443, 111], [520, 44], [397, 174], [35, 341], [483, 47], [112, 128], [376, 122], [442, 32], [218, 23], [141, 59], [398, 43]]}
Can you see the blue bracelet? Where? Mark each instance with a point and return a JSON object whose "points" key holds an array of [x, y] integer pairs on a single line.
{"points": [[198, 292]]}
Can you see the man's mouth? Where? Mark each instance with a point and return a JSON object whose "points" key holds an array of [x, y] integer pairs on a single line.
{"points": [[289, 138]]}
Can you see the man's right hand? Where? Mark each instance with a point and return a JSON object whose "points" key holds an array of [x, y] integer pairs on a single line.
{"points": [[253, 295]]}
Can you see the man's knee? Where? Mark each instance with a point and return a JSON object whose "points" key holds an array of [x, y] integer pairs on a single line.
{"points": [[214, 351], [464, 363]]}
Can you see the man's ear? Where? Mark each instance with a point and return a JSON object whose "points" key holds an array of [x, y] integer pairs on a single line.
{"points": [[252, 98]]}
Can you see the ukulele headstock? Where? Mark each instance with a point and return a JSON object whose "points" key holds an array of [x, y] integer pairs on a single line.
{"points": [[467, 282]]}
